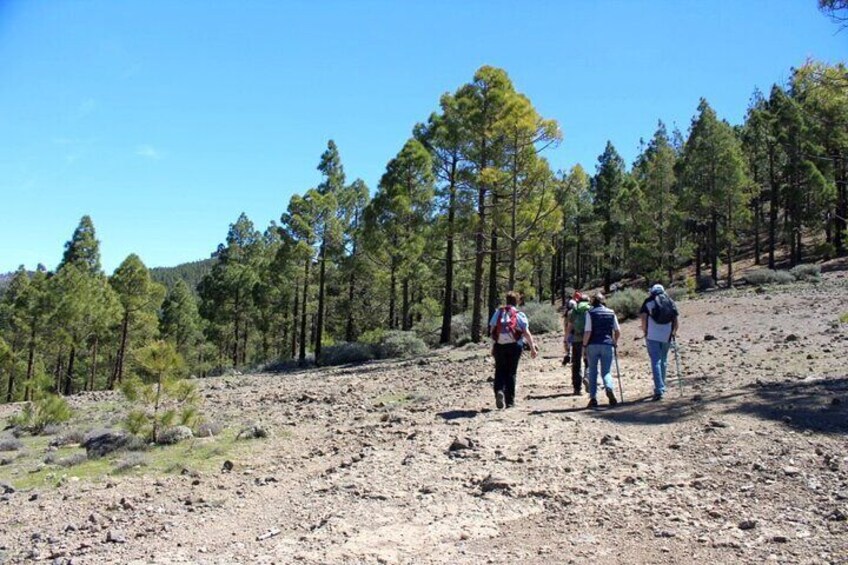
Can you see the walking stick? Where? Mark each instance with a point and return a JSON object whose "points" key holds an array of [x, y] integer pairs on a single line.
{"points": [[677, 362], [617, 370]]}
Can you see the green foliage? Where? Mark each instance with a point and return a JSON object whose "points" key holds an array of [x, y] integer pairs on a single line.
{"points": [[159, 396], [768, 276], [347, 352], [626, 303], [843, 319], [806, 272], [544, 317], [46, 411], [691, 286], [394, 344]]}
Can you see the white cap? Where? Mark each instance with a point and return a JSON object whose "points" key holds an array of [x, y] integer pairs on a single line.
{"points": [[657, 289]]}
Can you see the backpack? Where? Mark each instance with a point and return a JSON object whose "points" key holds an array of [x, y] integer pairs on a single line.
{"points": [[578, 319], [511, 325], [665, 310]]}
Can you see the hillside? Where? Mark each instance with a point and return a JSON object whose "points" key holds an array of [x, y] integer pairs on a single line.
{"points": [[408, 462], [191, 273]]}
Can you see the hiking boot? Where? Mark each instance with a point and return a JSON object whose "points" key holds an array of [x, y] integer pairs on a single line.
{"points": [[593, 403], [566, 360], [577, 391], [656, 397], [586, 383], [499, 399], [611, 397]]}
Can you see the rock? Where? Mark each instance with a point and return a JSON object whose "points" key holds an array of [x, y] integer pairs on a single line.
{"points": [[459, 444], [227, 466], [790, 471], [114, 536], [791, 338], [253, 431], [493, 483], [101, 443], [709, 337], [7, 488], [837, 516], [718, 424], [607, 439], [779, 539], [174, 435], [269, 534], [747, 524]]}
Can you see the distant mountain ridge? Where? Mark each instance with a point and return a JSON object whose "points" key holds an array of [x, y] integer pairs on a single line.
{"points": [[192, 273]]}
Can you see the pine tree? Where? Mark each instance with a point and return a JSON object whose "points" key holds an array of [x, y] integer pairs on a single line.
{"points": [[607, 184], [83, 249]]}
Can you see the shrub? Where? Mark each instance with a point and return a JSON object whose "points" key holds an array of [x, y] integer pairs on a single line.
{"points": [[347, 352], [806, 272], [209, 429], [626, 303], [691, 287], [372, 337], [37, 415], [677, 293], [10, 444], [130, 462], [543, 317], [843, 319], [68, 438], [69, 461], [768, 276], [395, 344], [460, 329]]}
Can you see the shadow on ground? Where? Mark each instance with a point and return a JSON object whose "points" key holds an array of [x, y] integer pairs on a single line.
{"points": [[817, 405]]}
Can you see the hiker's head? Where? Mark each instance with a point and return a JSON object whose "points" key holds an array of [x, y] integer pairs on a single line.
{"points": [[571, 304], [512, 298], [578, 296], [599, 299], [657, 289]]}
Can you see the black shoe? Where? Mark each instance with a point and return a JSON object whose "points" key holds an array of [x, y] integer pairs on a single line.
{"points": [[499, 399], [593, 403], [566, 360], [611, 397], [577, 392], [656, 397], [510, 404]]}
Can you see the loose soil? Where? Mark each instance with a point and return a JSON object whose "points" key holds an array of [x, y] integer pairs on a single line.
{"points": [[409, 462]]}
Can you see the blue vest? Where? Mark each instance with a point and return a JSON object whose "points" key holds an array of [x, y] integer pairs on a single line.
{"points": [[603, 326]]}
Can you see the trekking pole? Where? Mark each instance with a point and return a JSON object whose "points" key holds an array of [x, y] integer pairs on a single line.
{"points": [[677, 362], [617, 370]]}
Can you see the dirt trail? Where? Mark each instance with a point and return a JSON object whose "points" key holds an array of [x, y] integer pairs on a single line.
{"points": [[409, 462]]}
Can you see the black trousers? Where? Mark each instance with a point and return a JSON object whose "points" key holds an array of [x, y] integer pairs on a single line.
{"points": [[506, 369], [577, 365]]}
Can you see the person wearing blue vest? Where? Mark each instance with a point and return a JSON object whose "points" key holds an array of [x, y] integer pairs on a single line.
{"points": [[509, 329], [600, 338]]}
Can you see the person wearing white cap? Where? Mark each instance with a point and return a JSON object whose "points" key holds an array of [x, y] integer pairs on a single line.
{"points": [[659, 326]]}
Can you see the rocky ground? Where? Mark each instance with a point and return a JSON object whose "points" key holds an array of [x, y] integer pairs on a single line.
{"points": [[409, 462]]}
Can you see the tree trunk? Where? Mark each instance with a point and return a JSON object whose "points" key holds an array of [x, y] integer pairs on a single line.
{"points": [[93, 372], [714, 246], [406, 321], [447, 302], [294, 319], [30, 363], [319, 330], [479, 253], [302, 353], [69, 376], [393, 296], [118, 372], [773, 199], [493, 259]]}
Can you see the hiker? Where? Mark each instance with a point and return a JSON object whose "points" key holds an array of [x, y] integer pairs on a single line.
{"points": [[568, 333], [659, 326], [509, 329], [576, 325], [600, 338]]}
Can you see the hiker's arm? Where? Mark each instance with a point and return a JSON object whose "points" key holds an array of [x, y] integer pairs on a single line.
{"points": [[644, 318], [615, 335], [674, 328], [569, 327], [529, 337]]}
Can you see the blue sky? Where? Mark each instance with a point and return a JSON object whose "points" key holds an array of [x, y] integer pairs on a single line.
{"points": [[164, 120]]}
